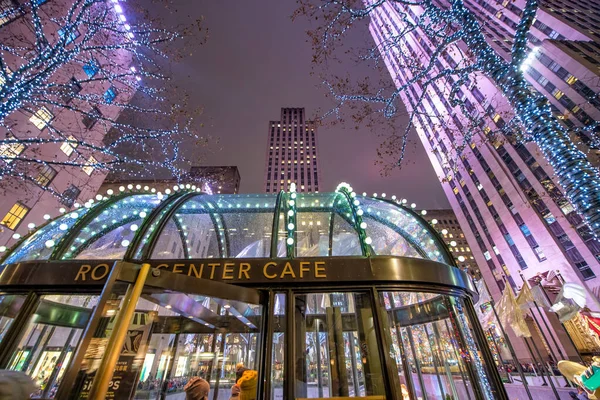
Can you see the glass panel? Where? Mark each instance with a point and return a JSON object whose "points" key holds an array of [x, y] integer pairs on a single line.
{"points": [[124, 213], [345, 238], [388, 241], [278, 360], [50, 340], [36, 247], [427, 344], [111, 245], [174, 336], [247, 224], [10, 305], [337, 354], [169, 244], [325, 226], [395, 215], [146, 238]]}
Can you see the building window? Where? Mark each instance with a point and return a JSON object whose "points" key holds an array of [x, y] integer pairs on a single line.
{"points": [[68, 147], [46, 176], [90, 119], [14, 217], [74, 34], [8, 71], [10, 151], [70, 195], [90, 166], [9, 11], [41, 118], [585, 270], [571, 79], [110, 95], [557, 94], [91, 68]]}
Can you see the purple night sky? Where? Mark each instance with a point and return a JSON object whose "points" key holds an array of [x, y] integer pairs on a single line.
{"points": [[255, 61]]}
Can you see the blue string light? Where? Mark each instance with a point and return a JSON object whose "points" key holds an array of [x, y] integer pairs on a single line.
{"points": [[444, 25]]}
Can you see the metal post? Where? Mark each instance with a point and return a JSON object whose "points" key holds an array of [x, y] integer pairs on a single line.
{"points": [[512, 352], [171, 363], [436, 334], [266, 348], [435, 363], [543, 368], [37, 345], [563, 325], [353, 363], [405, 365], [545, 324], [222, 355], [494, 376], [417, 363], [117, 339], [460, 361], [66, 388], [289, 359], [319, 371]]}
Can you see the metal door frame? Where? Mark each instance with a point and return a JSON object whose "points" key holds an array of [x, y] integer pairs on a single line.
{"points": [[134, 275]]}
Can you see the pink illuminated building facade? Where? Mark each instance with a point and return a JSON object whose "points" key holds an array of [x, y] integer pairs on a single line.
{"points": [[502, 190], [292, 153], [56, 187]]}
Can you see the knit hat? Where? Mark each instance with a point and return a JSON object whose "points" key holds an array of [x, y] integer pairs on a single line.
{"points": [[196, 389], [247, 384]]}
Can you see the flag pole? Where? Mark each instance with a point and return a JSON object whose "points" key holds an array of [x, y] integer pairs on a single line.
{"points": [[509, 345], [556, 360], [562, 280]]}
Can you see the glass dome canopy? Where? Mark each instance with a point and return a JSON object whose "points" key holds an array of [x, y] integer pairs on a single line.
{"points": [[190, 225]]}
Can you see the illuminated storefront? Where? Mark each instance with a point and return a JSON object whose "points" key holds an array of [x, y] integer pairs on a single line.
{"points": [[324, 294]]}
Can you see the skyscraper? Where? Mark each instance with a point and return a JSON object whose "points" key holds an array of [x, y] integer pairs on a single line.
{"points": [[501, 187], [292, 153], [447, 225]]}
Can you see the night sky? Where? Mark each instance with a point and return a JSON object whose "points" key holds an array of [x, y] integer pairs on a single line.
{"points": [[257, 60]]}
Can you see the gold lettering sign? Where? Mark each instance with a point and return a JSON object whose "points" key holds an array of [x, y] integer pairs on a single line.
{"points": [[231, 270], [92, 273]]}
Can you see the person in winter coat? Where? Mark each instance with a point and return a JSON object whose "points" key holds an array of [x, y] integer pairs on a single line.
{"points": [[245, 388]]}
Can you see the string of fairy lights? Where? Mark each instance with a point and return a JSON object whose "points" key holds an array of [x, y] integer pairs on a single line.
{"points": [[101, 200], [575, 174], [82, 34]]}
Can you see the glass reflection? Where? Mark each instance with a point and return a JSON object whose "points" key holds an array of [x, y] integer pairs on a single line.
{"points": [[109, 234], [433, 350], [172, 337], [51, 337], [403, 223], [325, 226], [37, 246], [337, 352]]}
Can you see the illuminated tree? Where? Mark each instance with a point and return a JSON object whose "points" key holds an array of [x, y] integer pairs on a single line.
{"points": [[68, 72], [451, 26]]}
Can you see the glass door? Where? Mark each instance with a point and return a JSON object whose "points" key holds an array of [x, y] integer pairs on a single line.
{"points": [[430, 341], [179, 330], [337, 353]]}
